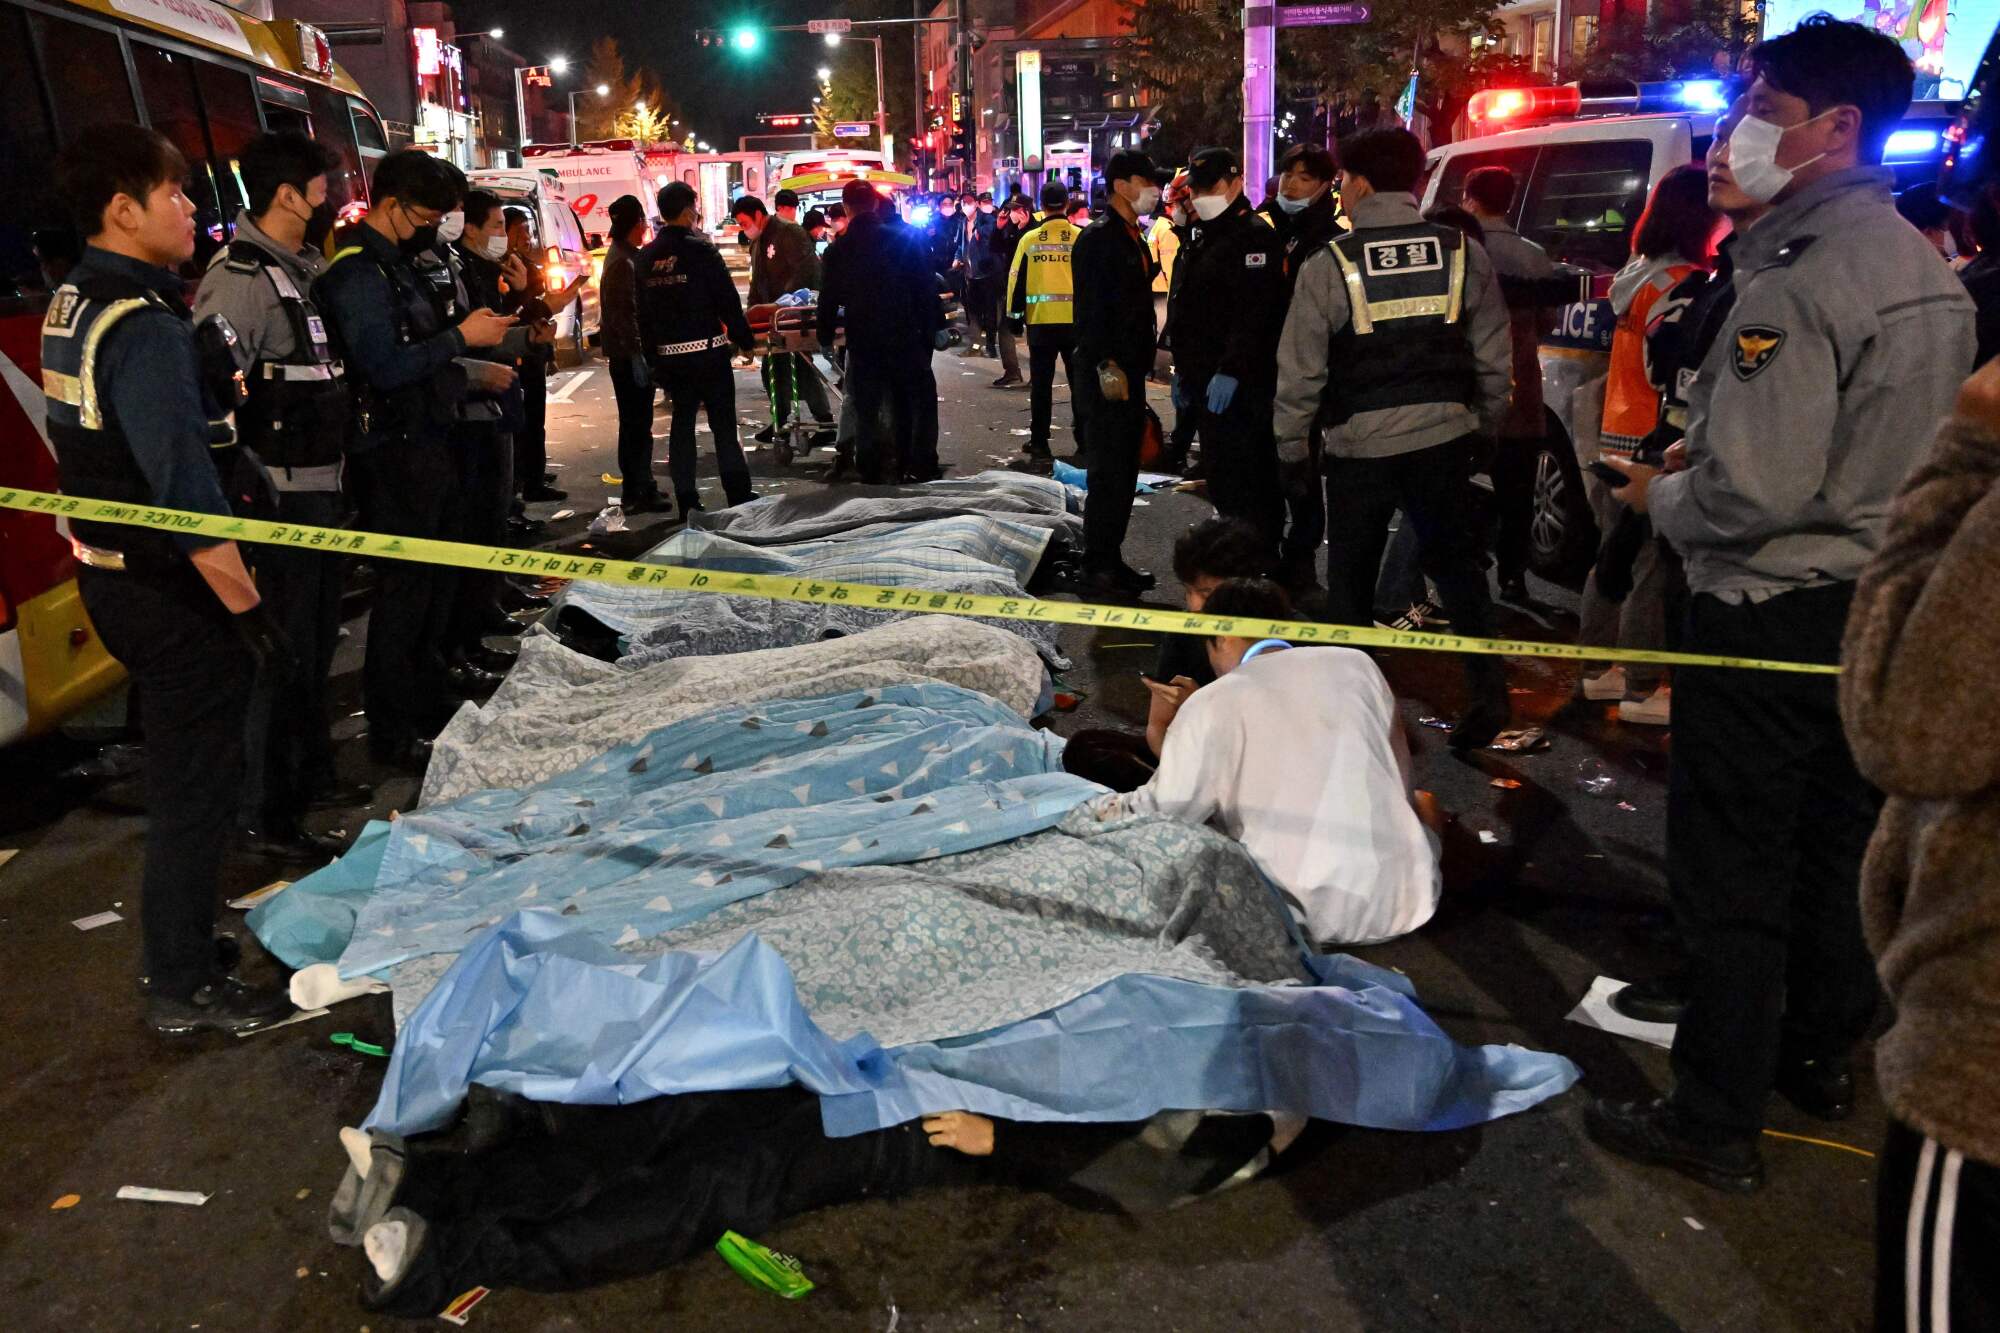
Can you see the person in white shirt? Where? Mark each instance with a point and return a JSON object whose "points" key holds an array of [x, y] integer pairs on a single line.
{"points": [[1299, 755]]}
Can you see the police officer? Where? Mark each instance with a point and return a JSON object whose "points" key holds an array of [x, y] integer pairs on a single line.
{"points": [[402, 360], [690, 314], [1414, 377], [1223, 320], [131, 422], [1041, 298], [1843, 349], [293, 426], [1306, 215], [1115, 339]]}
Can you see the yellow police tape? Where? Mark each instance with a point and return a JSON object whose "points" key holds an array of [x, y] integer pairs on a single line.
{"points": [[783, 587]]}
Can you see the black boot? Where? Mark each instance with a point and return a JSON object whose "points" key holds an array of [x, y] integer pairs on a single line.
{"points": [[1658, 1134]]}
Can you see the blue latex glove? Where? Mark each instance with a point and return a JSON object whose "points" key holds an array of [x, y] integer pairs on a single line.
{"points": [[1221, 393], [1179, 394]]}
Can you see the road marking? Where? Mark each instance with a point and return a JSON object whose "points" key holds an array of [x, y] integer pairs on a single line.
{"points": [[576, 379]]}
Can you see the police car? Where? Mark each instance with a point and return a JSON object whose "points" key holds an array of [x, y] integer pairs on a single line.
{"points": [[1587, 156]]}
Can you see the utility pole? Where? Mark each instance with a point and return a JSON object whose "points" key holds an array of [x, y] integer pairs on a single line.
{"points": [[969, 127], [1260, 88]]}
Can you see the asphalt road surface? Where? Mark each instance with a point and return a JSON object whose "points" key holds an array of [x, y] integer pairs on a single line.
{"points": [[1520, 1224]]}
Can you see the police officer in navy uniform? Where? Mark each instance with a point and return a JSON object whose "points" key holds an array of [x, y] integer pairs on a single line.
{"points": [[689, 315], [292, 426], [1398, 332], [131, 422], [1306, 215], [401, 357], [1223, 320]]}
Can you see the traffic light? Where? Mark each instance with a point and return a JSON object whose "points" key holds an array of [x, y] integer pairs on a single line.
{"points": [[745, 39]]}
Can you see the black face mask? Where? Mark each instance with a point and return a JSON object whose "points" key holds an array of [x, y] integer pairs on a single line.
{"points": [[319, 224]]}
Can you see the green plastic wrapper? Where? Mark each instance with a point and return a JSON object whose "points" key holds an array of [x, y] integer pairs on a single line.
{"points": [[762, 1266]]}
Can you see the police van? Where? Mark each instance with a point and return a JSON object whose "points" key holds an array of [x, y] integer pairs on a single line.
{"points": [[1586, 157], [208, 77]]}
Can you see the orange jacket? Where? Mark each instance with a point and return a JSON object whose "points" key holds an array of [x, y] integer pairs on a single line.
{"points": [[1631, 399]]}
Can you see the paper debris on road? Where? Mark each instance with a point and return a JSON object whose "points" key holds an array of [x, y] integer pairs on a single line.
{"points": [[255, 896], [144, 1194], [1489, 837], [95, 920], [460, 1310], [1694, 1224], [8, 853], [1595, 1011], [66, 1201], [302, 1016], [562, 513]]}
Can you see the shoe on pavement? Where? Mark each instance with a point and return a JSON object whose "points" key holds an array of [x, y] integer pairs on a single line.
{"points": [[226, 1004], [1007, 381], [689, 504], [1656, 1133], [228, 953], [337, 795], [543, 493], [513, 597], [1477, 726], [1655, 1000], [768, 435], [655, 503], [491, 660], [1422, 616], [1601, 688], [1823, 1089], [825, 436], [277, 841], [1655, 710], [1118, 580], [1037, 449], [1515, 591], [411, 756]]}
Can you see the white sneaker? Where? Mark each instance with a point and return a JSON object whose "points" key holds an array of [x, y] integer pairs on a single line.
{"points": [[1655, 710], [1610, 685]]}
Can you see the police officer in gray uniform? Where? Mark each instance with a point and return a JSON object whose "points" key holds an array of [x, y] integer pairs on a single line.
{"points": [[293, 425], [1398, 333], [131, 422], [1842, 351]]}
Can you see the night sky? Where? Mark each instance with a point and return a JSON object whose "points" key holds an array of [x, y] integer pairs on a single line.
{"points": [[720, 91]]}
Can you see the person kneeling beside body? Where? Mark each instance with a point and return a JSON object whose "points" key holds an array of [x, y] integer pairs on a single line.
{"points": [[1300, 757]]}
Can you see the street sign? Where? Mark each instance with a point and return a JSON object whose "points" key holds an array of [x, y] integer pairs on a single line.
{"points": [[537, 76], [852, 129], [1320, 16], [830, 25]]}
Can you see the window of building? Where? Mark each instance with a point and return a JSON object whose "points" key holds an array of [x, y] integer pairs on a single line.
{"points": [[1585, 199], [92, 88], [1542, 37], [1582, 35]]}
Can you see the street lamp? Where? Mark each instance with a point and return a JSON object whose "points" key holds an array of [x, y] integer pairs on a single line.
{"points": [[824, 73], [602, 90], [559, 64], [833, 39]]}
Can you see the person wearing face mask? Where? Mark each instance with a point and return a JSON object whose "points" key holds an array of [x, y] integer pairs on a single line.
{"points": [[293, 426], [403, 365], [946, 237], [1306, 216], [1223, 320], [1398, 334], [1006, 244], [1842, 350], [1115, 341], [985, 272]]}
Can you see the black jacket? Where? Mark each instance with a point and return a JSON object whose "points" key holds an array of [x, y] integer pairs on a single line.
{"points": [[687, 300], [1302, 235], [879, 273], [1113, 272], [1228, 303]]}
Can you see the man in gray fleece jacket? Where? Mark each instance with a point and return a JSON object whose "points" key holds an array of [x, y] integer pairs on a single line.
{"points": [[1424, 363]]}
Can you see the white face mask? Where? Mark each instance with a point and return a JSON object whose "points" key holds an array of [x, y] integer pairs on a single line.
{"points": [[494, 247], [1753, 157], [1288, 204], [1148, 200], [1208, 207], [451, 226]]}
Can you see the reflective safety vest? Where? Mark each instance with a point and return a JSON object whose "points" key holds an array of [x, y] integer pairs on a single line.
{"points": [[1404, 343], [417, 304], [93, 456], [1042, 262], [296, 411]]}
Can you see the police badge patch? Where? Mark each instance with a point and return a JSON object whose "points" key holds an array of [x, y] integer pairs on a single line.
{"points": [[1254, 260], [1756, 347]]}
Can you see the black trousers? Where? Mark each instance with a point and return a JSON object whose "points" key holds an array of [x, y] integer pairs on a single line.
{"points": [[982, 302], [1514, 500], [1937, 1230], [632, 386], [288, 749], [785, 372], [405, 489], [483, 454], [703, 383], [1240, 456], [901, 380], [177, 642], [1305, 522], [1433, 488], [1112, 432], [1042, 357], [1767, 820], [531, 442], [1120, 760]]}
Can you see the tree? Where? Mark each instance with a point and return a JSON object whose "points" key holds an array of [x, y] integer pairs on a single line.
{"points": [[1705, 40], [849, 94], [618, 114]]}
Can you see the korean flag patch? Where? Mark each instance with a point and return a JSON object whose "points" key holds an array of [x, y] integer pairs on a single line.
{"points": [[1756, 347], [1255, 259]]}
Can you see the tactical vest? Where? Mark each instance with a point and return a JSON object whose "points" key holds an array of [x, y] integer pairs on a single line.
{"points": [[1045, 265], [1404, 343], [386, 414], [296, 412], [93, 457]]}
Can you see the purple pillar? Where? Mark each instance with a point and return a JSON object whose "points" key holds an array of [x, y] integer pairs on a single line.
{"points": [[1260, 84]]}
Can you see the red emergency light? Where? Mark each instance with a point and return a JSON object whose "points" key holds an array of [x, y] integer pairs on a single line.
{"points": [[1494, 106]]}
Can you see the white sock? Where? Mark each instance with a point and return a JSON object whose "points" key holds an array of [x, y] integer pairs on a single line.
{"points": [[360, 1151], [384, 1245]]}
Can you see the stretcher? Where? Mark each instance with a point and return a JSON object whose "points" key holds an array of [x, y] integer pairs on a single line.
{"points": [[793, 331]]}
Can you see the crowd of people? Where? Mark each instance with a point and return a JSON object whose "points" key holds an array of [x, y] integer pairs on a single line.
{"points": [[1768, 489]]}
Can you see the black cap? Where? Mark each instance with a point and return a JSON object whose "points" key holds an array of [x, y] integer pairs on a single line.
{"points": [[1127, 163], [625, 211], [1211, 165]]}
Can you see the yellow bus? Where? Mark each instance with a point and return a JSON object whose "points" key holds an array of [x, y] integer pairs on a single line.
{"points": [[208, 77]]}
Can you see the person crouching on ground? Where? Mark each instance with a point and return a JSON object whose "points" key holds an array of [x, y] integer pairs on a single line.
{"points": [[1300, 756]]}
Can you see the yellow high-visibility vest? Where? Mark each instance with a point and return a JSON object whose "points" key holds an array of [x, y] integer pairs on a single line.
{"points": [[1044, 257]]}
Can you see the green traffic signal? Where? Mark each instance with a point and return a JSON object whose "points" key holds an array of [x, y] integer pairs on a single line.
{"points": [[745, 39]]}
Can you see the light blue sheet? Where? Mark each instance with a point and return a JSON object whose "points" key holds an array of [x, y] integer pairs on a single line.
{"points": [[538, 1008], [692, 816]]}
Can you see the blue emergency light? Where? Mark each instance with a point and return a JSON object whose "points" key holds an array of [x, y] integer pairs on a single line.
{"points": [[1911, 145]]}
